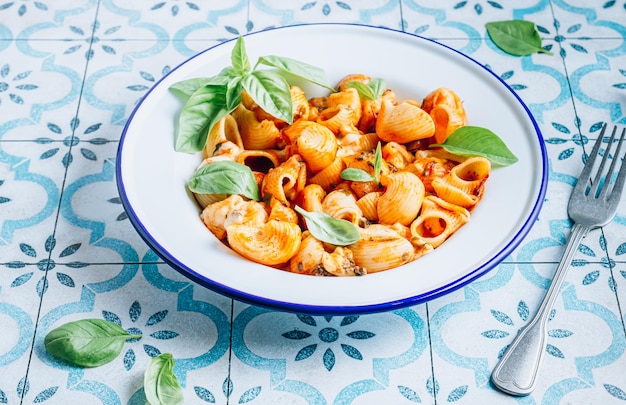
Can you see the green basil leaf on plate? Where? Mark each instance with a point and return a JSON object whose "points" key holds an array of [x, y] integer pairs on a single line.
{"points": [[352, 174], [325, 228], [297, 68], [378, 163], [271, 92], [239, 58], [203, 109], [160, 383], [516, 37], [478, 141], [87, 342], [370, 91], [225, 177]]}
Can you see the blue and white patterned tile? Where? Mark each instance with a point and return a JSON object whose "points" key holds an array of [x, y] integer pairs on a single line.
{"points": [[173, 312], [577, 20], [583, 336], [33, 15], [331, 359], [114, 84], [278, 13]]}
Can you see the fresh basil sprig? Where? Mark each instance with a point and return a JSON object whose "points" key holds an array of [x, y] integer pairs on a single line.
{"points": [[160, 383], [210, 99], [478, 141], [516, 37], [225, 177], [353, 174], [325, 228], [87, 342], [370, 91]]}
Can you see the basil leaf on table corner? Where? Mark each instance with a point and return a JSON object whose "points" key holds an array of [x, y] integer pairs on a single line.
{"points": [[477, 141], [516, 37], [225, 177], [203, 109], [297, 68], [87, 342], [325, 228], [160, 384]]}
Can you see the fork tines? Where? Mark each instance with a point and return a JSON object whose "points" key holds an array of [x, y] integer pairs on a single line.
{"points": [[602, 181]]}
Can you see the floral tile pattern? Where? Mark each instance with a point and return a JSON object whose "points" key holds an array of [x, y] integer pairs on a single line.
{"points": [[71, 73]]}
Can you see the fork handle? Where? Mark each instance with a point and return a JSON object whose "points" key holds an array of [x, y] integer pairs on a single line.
{"points": [[516, 372]]}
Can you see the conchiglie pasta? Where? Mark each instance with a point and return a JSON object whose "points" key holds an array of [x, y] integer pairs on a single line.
{"points": [[437, 221], [404, 122], [272, 243], [447, 111], [381, 248], [410, 200], [402, 198], [464, 184]]}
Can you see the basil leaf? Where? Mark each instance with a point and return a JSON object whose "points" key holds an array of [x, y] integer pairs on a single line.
{"points": [[328, 229], [88, 342], [478, 141], [353, 174], [378, 163], [370, 91], [271, 92], [365, 91], [297, 68], [239, 58], [187, 87], [160, 383], [203, 109], [225, 177], [516, 37]]}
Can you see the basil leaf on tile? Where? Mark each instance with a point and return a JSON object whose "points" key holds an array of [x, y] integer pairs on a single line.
{"points": [[352, 174], [87, 342], [325, 228], [478, 141], [516, 37], [297, 68], [160, 383], [203, 109], [225, 177]]}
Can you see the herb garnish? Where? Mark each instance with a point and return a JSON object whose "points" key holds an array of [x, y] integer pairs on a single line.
{"points": [[211, 99], [160, 383], [516, 37], [353, 174], [87, 342], [477, 141], [325, 228], [370, 91], [225, 177]]}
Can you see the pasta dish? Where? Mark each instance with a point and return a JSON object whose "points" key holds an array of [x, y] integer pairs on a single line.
{"points": [[368, 162]]}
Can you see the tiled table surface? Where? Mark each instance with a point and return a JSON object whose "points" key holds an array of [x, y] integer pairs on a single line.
{"points": [[70, 74]]}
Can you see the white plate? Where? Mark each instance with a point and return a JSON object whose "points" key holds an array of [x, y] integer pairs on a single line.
{"points": [[151, 176]]}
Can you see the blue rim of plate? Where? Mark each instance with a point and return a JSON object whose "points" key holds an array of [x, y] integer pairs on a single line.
{"points": [[337, 310]]}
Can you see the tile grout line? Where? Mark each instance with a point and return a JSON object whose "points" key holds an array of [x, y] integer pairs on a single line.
{"points": [[54, 229]]}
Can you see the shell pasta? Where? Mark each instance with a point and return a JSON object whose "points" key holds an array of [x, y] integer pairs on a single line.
{"points": [[407, 199]]}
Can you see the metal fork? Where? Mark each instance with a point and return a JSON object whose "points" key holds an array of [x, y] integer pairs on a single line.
{"points": [[593, 203]]}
